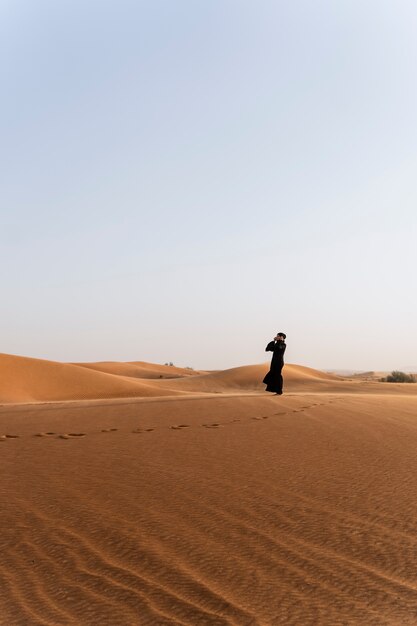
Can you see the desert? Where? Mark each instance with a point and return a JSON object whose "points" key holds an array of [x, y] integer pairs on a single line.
{"points": [[144, 494], [208, 346]]}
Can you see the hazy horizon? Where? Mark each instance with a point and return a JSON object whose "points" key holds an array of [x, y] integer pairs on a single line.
{"points": [[181, 181]]}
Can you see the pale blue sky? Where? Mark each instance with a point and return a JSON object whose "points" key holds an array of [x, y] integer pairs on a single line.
{"points": [[182, 179]]}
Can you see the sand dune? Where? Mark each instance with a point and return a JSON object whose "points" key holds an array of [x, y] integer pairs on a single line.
{"points": [[297, 378], [250, 377], [140, 369], [238, 509], [24, 379]]}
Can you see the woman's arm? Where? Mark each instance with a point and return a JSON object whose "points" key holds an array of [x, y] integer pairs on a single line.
{"points": [[270, 346]]}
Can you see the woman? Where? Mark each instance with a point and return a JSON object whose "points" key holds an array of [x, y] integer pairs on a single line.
{"points": [[273, 379]]}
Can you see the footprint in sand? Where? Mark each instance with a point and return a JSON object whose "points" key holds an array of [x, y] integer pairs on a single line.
{"points": [[108, 430], [71, 435], [179, 426], [211, 425], [4, 437], [44, 434], [143, 430]]}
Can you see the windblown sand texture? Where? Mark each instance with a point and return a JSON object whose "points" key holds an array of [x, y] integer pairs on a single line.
{"points": [[200, 499]]}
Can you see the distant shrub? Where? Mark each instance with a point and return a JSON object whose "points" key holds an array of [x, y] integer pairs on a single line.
{"points": [[187, 367], [399, 377], [170, 363]]}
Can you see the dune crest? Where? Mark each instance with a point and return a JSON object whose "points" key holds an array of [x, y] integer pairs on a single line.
{"points": [[139, 369]]}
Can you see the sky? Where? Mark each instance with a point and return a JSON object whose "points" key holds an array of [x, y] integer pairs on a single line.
{"points": [[183, 179]]}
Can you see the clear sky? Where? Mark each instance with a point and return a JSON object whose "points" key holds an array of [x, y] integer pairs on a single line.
{"points": [[182, 179]]}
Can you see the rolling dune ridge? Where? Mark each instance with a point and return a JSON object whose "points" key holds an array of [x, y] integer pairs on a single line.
{"points": [[139, 369], [24, 379], [205, 500]]}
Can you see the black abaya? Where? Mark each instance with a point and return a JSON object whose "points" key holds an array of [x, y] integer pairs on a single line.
{"points": [[273, 379]]}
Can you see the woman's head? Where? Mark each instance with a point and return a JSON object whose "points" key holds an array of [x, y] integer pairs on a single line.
{"points": [[282, 336]]}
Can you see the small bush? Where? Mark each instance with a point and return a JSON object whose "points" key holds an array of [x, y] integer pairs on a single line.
{"points": [[399, 377]]}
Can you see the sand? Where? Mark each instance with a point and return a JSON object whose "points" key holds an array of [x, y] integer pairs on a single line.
{"points": [[203, 500]]}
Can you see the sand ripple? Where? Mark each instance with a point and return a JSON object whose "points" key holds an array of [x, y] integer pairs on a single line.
{"points": [[238, 511]]}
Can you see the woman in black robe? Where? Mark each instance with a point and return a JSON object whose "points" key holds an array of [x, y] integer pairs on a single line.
{"points": [[273, 379]]}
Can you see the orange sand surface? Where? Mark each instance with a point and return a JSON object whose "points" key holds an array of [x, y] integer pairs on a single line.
{"points": [[200, 499]]}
